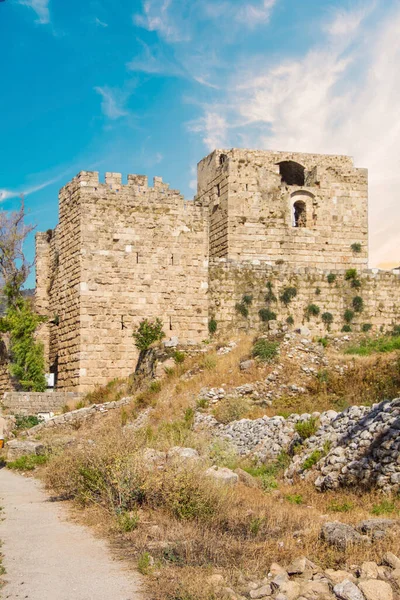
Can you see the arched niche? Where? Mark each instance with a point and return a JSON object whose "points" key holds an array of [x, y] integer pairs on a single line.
{"points": [[301, 208], [292, 173]]}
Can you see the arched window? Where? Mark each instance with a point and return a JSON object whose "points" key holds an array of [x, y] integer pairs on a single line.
{"points": [[299, 214], [292, 173], [222, 159]]}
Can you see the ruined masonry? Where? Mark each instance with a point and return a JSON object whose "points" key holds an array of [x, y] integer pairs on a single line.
{"points": [[123, 252]]}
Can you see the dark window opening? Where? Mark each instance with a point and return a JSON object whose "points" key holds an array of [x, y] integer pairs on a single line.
{"points": [[170, 323], [218, 190], [123, 326], [137, 258], [247, 187], [222, 159], [299, 214], [291, 173], [172, 259]]}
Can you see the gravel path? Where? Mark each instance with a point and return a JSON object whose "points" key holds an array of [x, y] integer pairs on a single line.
{"points": [[49, 558]]}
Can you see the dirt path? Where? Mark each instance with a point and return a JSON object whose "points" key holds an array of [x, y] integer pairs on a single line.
{"points": [[48, 558]]}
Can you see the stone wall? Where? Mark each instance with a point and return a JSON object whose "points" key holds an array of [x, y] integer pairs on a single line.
{"points": [[230, 281], [120, 253], [251, 196], [31, 403]]}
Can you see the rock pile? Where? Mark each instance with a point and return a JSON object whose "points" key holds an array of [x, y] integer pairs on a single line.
{"points": [[304, 580]]}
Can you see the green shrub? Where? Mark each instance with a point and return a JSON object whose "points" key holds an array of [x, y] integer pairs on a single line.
{"points": [[287, 295], [26, 422], [341, 507], [80, 404], [386, 507], [355, 283], [312, 310], [270, 296], [209, 362], [147, 333], [242, 309], [144, 563], [265, 350], [327, 318], [358, 304], [346, 329], [290, 320], [247, 300], [323, 341], [179, 357], [294, 498], [212, 326], [350, 274], [312, 460], [266, 314], [27, 463], [155, 387], [356, 247], [366, 327], [348, 315], [127, 521], [331, 277], [306, 429], [317, 291]]}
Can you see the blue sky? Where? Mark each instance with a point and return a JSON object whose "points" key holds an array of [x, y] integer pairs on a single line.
{"points": [[152, 86]]}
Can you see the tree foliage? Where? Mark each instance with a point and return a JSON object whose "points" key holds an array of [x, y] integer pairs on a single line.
{"points": [[148, 332], [20, 321]]}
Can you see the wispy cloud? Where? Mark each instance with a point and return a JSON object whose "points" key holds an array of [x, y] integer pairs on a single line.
{"points": [[113, 102], [158, 17], [255, 14], [7, 194], [346, 22], [100, 23], [340, 97], [41, 8], [155, 62]]}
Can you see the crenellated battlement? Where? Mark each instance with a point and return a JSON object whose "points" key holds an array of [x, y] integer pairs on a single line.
{"points": [[114, 181]]}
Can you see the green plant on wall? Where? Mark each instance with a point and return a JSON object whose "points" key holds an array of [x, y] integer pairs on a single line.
{"points": [[348, 315], [290, 320], [247, 299], [331, 277], [356, 247], [358, 304], [287, 295], [212, 326], [270, 296], [312, 310], [366, 327], [266, 314], [350, 274], [327, 318], [355, 283], [242, 309], [346, 328], [148, 332]]}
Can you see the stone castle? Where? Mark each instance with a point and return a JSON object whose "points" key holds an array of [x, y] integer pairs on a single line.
{"points": [[261, 221]]}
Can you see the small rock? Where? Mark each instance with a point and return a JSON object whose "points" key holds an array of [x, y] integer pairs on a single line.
{"points": [[298, 566], [247, 479], [18, 448], [315, 590], [376, 590], [261, 592], [338, 576], [373, 525], [392, 560], [246, 365], [347, 590], [183, 453], [291, 589], [369, 570], [172, 342]]}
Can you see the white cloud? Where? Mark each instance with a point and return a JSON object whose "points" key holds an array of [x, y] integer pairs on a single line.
{"points": [[41, 8], [341, 97], [157, 17], [255, 14], [155, 62], [100, 23], [113, 102], [6, 194], [346, 22]]}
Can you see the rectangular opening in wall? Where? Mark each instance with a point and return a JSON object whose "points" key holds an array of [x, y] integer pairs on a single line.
{"points": [[137, 258], [172, 259], [170, 323], [218, 190]]}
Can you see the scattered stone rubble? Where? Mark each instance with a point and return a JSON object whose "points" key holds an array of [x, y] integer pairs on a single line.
{"points": [[304, 580], [360, 446]]}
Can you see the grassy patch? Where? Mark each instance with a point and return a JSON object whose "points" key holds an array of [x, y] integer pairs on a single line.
{"points": [[27, 463], [312, 460], [340, 507], [26, 422], [294, 498], [265, 350], [231, 409], [386, 507], [306, 429], [369, 346]]}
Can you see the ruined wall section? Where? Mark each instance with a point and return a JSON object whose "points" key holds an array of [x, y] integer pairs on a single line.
{"points": [[143, 254], [255, 214], [230, 281]]}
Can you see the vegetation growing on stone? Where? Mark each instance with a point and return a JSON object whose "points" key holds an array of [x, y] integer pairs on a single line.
{"points": [[148, 332], [358, 304], [212, 326], [331, 277], [327, 318], [247, 299], [270, 296], [350, 274], [242, 309], [348, 315], [366, 327], [356, 247], [287, 295], [266, 314], [265, 350], [312, 310]]}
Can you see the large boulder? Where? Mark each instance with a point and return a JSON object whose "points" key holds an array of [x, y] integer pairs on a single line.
{"points": [[341, 535], [18, 448], [376, 590], [347, 590], [223, 475]]}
